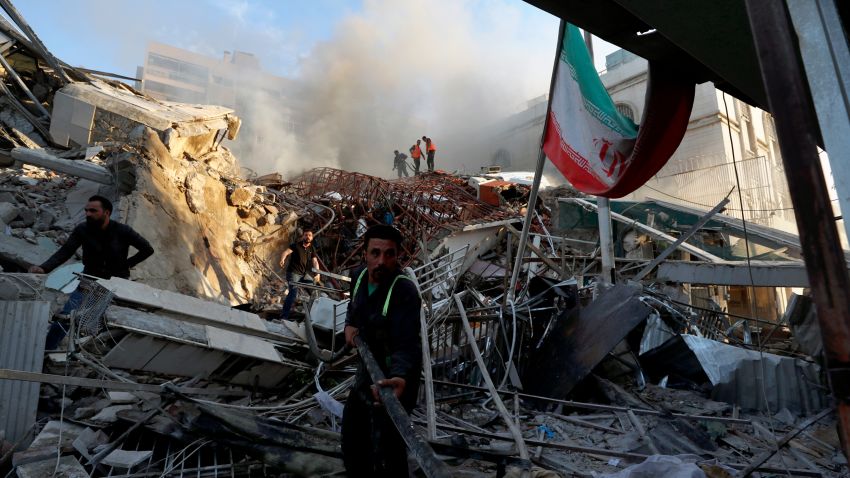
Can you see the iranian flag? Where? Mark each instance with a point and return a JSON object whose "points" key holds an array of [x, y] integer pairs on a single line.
{"points": [[599, 150]]}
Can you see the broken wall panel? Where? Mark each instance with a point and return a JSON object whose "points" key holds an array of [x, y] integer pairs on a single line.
{"points": [[163, 356], [23, 328], [179, 310], [582, 339], [752, 380]]}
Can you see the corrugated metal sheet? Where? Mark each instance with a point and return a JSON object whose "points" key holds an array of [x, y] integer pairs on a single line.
{"points": [[23, 329], [655, 333], [758, 381]]}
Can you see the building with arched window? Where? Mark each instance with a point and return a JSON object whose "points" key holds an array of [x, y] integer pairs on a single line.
{"points": [[701, 172]]}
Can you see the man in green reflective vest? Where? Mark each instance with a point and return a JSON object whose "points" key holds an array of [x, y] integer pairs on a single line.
{"points": [[384, 312]]}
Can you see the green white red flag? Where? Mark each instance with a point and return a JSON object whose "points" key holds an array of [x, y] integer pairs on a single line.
{"points": [[598, 149]]}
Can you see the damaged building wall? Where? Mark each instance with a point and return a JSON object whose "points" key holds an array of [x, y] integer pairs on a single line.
{"points": [[186, 207]]}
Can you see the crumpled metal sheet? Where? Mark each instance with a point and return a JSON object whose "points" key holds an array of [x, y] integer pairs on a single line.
{"points": [[753, 380]]}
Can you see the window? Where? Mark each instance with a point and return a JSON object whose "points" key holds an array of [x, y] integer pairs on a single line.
{"points": [[626, 111], [185, 69]]}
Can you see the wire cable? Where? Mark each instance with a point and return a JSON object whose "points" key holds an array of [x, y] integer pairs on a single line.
{"points": [[752, 287]]}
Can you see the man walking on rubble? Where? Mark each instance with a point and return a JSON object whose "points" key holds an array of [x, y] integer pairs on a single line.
{"points": [[106, 244], [384, 312], [399, 164], [416, 154], [431, 149], [302, 253]]}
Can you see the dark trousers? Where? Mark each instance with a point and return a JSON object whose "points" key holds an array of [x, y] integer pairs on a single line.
{"points": [[431, 161], [416, 166], [292, 280], [371, 445], [59, 328], [402, 170]]}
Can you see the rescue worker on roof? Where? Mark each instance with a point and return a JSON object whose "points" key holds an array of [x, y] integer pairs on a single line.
{"points": [[399, 164], [384, 312], [431, 149], [301, 256], [416, 154]]}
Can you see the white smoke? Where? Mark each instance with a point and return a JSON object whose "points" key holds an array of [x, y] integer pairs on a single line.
{"points": [[389, 73], [400, 70]]}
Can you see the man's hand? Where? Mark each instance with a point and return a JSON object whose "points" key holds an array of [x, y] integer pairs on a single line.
{"points": [[36, 270], [397, 383], [350, 332]]}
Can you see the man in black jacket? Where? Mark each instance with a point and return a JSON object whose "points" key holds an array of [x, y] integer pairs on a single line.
{"points": [[105, 244], [384, 311]]}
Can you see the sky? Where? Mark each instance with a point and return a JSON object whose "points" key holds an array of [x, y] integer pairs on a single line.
{"points": [[111, 35], [380, 73]]}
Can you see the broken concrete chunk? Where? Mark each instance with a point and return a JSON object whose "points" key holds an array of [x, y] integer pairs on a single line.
{"points": [[242, 197], [49, 435], [46, 218], [8, 212], [68, 467], [126, 458], [27, 216], [122, 397], [109, 414], [88, 440], [195, 192]]}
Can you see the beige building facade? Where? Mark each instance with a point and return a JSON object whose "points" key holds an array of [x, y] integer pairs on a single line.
{"points": [[267, 104], [701, 172]]}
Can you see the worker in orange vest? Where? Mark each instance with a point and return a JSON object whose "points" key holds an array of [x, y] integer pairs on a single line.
{"points": [[416, 154], [431, 148]]}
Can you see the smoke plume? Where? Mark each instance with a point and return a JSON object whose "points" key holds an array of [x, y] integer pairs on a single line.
{"points": [[397, 71]]}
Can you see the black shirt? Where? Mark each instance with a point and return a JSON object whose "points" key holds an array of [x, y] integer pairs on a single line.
{"points": [[393, 339], [104, 250], [300, 258]]}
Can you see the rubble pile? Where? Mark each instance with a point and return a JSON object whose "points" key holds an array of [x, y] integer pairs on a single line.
{"points": [[676, 367], [68, 135]]}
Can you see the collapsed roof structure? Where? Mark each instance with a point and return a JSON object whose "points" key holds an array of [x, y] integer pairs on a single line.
{"points": [[163, 376]]}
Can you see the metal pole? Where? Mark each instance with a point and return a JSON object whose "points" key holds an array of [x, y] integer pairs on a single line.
{"points": [[606, 244], [538, 175], [421, 450], [796, 126], [825, 54]]}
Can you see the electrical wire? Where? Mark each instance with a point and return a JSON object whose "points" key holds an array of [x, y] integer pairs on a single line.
{"points": [[710, 206]]}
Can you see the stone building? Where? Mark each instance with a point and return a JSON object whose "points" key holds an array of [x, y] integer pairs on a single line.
{"points": [[701, 172]]}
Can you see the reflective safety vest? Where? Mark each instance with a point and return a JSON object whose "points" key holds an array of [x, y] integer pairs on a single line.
{"points": [[432, 146], [417, 153], [389, 293]]}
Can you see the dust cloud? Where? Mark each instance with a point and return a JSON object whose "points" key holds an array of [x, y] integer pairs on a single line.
{"points": [[392, 73]]}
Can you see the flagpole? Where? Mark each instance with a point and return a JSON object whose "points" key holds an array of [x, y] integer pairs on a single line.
{"points": [[606, 244], [538, 174]]}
